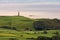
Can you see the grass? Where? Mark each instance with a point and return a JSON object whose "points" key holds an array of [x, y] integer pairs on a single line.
{"points": [[20, 23], [22, 35], [4, 38]]}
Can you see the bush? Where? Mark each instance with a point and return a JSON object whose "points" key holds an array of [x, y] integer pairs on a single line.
{"points": [[7, 27], [13, 39], [45, 32], [30, 39], [43, 38], [56, 37]]}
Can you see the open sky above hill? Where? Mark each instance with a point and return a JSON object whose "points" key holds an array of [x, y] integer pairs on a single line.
{"points": [[31, 8]]}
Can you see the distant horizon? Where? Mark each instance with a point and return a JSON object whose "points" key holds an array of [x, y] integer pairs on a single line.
{"points": [[31, 14]]}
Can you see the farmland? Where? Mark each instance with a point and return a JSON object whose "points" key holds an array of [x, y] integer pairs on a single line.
{"points": [[21, 28], [23, 35]]}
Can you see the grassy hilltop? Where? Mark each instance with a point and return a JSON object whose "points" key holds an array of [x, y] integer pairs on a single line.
{"points": [[24, 23], [19, 22]]}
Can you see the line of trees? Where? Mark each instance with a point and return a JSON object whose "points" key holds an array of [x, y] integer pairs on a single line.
{"points": [[48, 24]]}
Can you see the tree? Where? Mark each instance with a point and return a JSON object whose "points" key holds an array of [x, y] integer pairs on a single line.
{"points": [[56, 37], [47, 24], [43, 38], [45, 32]]}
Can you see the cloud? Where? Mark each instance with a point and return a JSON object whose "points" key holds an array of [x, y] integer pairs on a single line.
{"points": [[41, 8], [34, 3], [35, 6], [16, 1]]}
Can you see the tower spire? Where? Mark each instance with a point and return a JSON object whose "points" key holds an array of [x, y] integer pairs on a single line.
{"points": [[18, 13]]}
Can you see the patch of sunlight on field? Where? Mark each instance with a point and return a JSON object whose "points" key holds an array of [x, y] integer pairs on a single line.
{"points": [[7, 35], [22, 35]]}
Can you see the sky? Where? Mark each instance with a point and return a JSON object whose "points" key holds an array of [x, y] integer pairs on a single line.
{"points": [[36, 8]]}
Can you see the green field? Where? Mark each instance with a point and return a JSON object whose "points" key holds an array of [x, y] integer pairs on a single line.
{"points": [[21, 23], [22, 35]]}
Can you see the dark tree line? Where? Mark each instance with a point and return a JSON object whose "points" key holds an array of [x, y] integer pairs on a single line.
{"points": [[7, 27], [45, 38], [48, 24]]}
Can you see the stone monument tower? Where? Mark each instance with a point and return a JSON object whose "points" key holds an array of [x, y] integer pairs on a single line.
{"points": [[18, 13]]}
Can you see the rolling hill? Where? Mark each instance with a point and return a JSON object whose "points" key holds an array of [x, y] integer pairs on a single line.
{"points": [[22, 23], [19, 22]]}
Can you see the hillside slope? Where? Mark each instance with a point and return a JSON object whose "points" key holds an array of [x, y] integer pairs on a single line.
{"points": [[24, 23], [19, 22]]}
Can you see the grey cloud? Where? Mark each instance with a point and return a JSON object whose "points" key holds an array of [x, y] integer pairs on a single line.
{"points": [[30, 7]]}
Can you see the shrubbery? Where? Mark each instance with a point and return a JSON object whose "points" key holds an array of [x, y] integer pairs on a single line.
{"points": [[47, 24]]}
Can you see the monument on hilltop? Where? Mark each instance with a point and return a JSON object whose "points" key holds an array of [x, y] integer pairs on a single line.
{"points": [[18, 13]]}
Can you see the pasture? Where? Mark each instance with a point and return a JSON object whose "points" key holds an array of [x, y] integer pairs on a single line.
{"points": [[23, 35], [15, 28]]}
